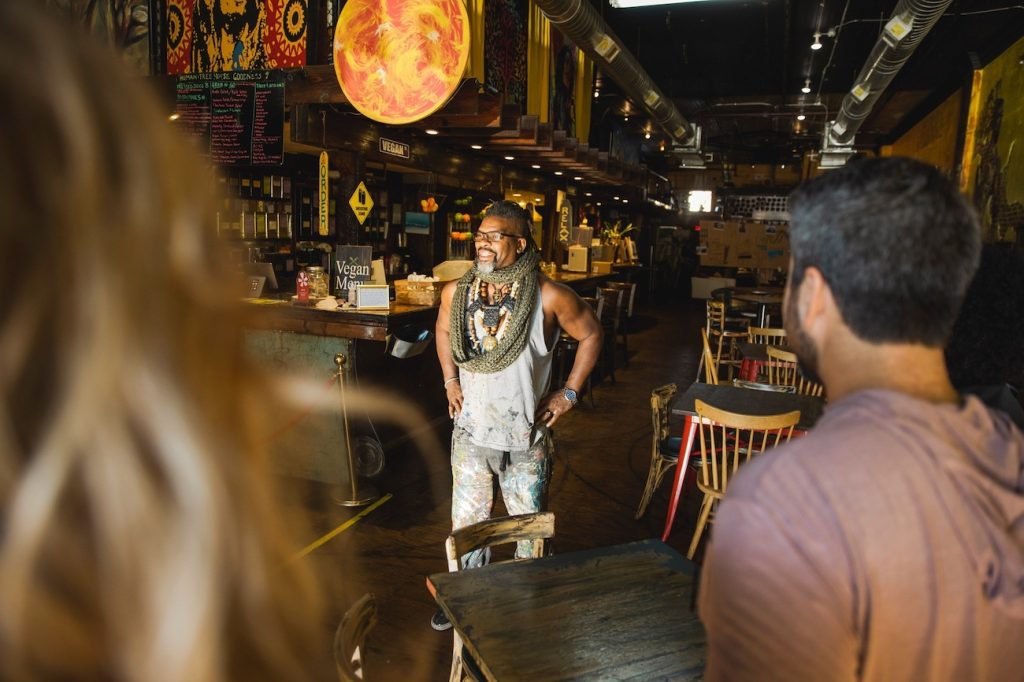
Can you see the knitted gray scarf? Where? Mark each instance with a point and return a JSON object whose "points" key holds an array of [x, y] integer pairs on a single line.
{"points": [[524, 271]]}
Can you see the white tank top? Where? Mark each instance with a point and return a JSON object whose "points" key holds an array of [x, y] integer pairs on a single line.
{"points": [[498, 408]]}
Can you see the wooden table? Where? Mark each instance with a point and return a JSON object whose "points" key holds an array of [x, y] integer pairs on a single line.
{"points": [[762, 296], [612, 613], [754, 356], [731, 399]]}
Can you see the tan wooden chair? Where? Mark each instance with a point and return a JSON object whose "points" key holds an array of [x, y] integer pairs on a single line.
{"points": [[724, 328], [767, 335], [782, 371], [538, 527], [727, 440], [350, 637], [664, 448], [708, 360]]}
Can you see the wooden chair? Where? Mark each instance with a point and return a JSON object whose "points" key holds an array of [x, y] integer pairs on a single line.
{"points": [[782, 371], [727, 440], [350, 637], [708, 360], [629, 294], [568, 346], [767, 335], [664, 448], [614, 307], [538, 528], [719, 326]]}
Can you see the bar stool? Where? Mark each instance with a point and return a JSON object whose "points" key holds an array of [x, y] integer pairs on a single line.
{"points": [[629, 292], [613, 309], [568, 345]]}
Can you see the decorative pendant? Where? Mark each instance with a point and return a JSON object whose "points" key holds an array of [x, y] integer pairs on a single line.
{"points": [[489, 343]]}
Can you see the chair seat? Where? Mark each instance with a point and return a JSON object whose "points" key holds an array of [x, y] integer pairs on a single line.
{"points": [[670, 447]]}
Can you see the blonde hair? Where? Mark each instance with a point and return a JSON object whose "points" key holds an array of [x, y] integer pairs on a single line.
{"points": [[139, 537]]}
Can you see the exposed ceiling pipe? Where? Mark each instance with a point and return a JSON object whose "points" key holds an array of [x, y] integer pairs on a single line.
{"points": [[578, 20], [908, 25]]}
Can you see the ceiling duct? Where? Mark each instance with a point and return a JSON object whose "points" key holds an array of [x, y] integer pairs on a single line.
{"points": [[578, 20], [908, 25]]}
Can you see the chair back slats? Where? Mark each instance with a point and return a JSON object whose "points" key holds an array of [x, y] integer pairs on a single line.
{"points": [[767, 335], [660, 399], [710, 367], [613, 304], [783, 371], [537, 527], [727, 440], [350, 637]]}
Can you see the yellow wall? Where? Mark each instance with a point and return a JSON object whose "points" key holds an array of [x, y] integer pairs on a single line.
{"points": [[933, 139]]}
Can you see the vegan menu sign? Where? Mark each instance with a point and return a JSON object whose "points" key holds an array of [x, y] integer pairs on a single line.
{"points": [[237, 115]]}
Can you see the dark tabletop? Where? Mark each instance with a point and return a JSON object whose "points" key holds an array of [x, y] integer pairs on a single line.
{"points": [[748, 401], [612, 613]]}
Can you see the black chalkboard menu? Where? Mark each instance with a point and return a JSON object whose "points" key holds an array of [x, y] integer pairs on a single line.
{"points": [[238, 115]]}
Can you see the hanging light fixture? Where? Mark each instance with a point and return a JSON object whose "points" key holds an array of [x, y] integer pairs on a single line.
{"points": [[816, 45], [807, 87]]}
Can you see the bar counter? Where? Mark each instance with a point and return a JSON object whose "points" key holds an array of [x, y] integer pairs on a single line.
{"points": [[304, 341]]}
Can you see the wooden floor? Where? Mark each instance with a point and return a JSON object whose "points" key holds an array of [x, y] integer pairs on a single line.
{"points": [[601, 462]]}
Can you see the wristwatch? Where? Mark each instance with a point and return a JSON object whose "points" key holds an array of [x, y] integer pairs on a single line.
{"points": [[570, 395]]}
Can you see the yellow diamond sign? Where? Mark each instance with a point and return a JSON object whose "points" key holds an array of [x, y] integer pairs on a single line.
{"points": [[361, 202]]}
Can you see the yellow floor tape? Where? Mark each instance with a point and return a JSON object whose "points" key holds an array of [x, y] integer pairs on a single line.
{"points": [[324, 539]]}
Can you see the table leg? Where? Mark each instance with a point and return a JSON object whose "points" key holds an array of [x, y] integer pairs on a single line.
{"points": [[689, 431], [762, 314]]}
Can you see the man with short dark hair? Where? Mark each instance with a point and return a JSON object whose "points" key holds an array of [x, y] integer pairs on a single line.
{"points": [[887, 543], [496, 333]]}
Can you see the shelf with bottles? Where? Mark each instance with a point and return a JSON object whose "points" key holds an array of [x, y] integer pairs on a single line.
{"points": [[255, 205], [463, 219]]}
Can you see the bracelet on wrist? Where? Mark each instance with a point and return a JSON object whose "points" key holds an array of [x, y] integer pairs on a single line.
{"points": [[450, 380]]}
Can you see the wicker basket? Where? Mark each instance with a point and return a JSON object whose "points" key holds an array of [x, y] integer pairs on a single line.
{"points": [[418, 293]]}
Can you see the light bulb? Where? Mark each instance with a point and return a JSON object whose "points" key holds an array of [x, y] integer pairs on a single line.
{"points": [[800, 117], [816, 45], [807, 87]]}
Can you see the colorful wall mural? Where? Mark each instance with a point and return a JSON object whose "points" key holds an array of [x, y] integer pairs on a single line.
{"points": [[564, 58], [205, 36], [933, 139], [505, 39], [993, 169], [121, 23]]}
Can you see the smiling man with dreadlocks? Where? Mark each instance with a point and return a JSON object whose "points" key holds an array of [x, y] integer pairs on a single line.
{"points": [[496, 332]]}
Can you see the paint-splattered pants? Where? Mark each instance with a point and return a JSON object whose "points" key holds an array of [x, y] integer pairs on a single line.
{"points": [[523, 482]]}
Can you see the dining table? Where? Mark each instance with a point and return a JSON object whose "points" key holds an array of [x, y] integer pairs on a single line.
{"points": [[753, 358], [607, 613], [740, 401], [760, 296]]}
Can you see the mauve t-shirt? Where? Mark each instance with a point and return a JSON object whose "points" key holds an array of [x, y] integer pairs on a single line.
{"points": [[886, 544]]}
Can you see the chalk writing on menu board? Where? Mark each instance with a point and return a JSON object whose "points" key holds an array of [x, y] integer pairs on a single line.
{"points": [[238, 115]]}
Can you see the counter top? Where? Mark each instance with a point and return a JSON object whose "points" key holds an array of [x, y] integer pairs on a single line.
{"points": [[371, 325]]}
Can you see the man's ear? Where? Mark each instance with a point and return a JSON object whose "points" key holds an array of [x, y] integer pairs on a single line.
{"points": [[814, 297]]}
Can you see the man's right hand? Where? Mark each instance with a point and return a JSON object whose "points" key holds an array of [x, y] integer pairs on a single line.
{"points": [[454, 391]]}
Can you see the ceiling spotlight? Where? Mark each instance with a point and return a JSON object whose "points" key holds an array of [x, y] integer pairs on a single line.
{"points": [[535, 165], [558, 172], [625, 201], [647, 136], [174, 117], [590, 194], [510, 158], [807, 87], [616, 198], [816, 45], [475, 146], [517, 194], [578, 178], [430, 131], [597, 93], [625, 118], [800, 116], [599, 203]]}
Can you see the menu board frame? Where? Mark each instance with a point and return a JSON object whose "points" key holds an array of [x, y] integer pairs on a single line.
{"points": [[238, 116]]}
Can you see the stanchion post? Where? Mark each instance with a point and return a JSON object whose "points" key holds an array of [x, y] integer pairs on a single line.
{"points": [[368, 493]]}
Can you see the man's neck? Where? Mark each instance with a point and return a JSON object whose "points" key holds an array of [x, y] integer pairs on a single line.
{"points": [[915, 370]]}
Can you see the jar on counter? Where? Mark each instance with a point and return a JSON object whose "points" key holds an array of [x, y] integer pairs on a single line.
{"points": [[317, 282]]}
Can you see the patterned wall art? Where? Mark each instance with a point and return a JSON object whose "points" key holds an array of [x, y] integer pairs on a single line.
{"points": [[564, 59], [121, 23], [993, 168], [505, 40], [208, 36]]}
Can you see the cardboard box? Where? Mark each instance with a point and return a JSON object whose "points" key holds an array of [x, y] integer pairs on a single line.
{"points": [[601, 267]]}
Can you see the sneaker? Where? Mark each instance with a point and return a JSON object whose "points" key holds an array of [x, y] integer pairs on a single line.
{"points": [[439, 621]]}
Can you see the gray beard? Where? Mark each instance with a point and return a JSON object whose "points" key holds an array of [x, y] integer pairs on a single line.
{"points": [[485, 268]]}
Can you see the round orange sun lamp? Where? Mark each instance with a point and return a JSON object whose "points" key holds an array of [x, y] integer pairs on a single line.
{"points": [[399, 61]]}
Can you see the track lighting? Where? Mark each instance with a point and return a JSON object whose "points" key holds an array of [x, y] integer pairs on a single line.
{"points": [[816, 45]]}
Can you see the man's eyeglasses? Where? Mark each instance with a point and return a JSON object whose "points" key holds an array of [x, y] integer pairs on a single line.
{"points": [[492, 237]]}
